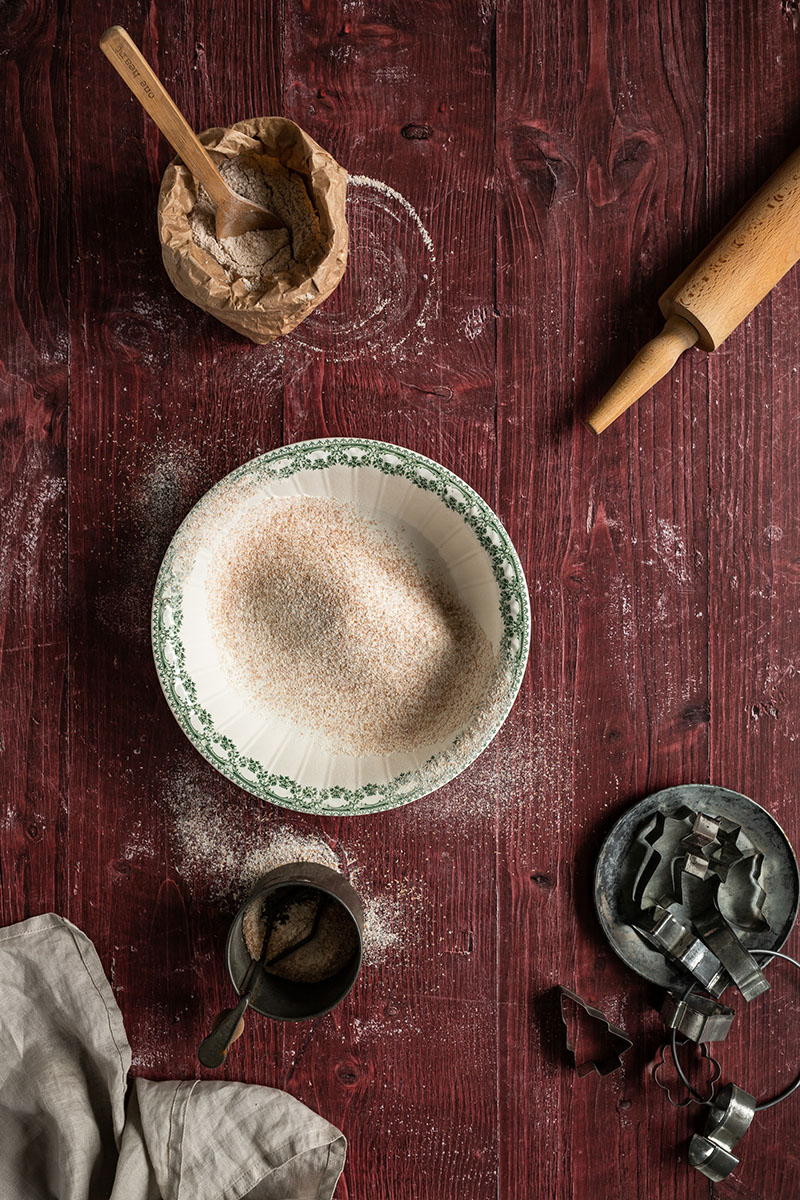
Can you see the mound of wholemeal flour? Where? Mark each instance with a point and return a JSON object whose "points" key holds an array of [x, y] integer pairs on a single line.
{"points": [[323, 617]]}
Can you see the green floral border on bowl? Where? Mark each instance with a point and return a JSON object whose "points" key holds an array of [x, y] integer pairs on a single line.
{"points": [[249, 773]]}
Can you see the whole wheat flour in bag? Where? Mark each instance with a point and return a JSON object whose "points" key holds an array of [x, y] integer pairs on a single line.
{"points": [[265, 283], [258, 256]]}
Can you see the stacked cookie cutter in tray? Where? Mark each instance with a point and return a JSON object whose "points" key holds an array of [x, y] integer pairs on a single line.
{"points": [[697, 888]]}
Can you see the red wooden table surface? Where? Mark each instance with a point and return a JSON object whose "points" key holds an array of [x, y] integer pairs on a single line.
{"points": [[564, 160]]}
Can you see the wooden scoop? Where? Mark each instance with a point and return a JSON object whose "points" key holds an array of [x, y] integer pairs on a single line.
{"points": [[719, 289], [235, 215]]}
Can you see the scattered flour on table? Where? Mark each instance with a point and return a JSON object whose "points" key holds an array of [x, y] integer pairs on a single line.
{"points": [[383, 925], [217, 854], [26, 510], [524, 774], [36, 513], [670, 550], [150, 1048], [141, 841], [165, 485], [391, 193], [168, 481], [390, 291], [495, 785]]}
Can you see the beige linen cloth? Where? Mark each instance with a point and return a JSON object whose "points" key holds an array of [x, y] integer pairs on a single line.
{"points": [[66, 1132]]}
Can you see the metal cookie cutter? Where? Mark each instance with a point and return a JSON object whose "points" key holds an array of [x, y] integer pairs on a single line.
{"points": [[697, 1017], [646, 862], [731, 1112], [728, 1121], [698, 845], [661, 1062], [704, 833], [733, 846], [758, 895], [618, 1036], [679, 943], [737, 962]]}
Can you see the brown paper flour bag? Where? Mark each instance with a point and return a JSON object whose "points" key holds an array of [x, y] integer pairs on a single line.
{"points": [[260, 315]]}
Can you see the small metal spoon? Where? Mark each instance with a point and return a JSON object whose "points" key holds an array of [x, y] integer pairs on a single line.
{"points": [[234, 214], [229, 1025]]}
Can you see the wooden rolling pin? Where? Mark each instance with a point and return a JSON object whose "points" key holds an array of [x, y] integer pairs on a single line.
{"points": [[718, 290]]}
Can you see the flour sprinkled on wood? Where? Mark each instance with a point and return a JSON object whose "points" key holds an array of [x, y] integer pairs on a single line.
{"points": [[390, 291], [164, 486], [221, 853]]}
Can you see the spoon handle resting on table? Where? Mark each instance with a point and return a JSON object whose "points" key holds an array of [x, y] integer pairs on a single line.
{"points": [[213, 1050]]}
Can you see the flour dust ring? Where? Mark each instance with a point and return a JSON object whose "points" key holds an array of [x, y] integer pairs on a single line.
{"points": [[389, 292]]}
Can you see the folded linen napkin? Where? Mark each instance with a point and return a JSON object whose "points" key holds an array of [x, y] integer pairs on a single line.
{"points": [[66, 1131]]}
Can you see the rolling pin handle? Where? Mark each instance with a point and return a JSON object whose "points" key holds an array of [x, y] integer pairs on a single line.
{"points": [[651, 364]]}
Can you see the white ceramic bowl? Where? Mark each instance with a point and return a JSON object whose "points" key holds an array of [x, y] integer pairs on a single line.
{"points": [[421, 502]]}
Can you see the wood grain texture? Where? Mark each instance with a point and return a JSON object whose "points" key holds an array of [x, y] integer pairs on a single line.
{"points": [[603, 168], [430, 385], [527, 181], [755, 554], [34, 355]]}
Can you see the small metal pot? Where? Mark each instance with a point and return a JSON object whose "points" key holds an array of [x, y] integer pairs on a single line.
{"points": [[284, 999]]}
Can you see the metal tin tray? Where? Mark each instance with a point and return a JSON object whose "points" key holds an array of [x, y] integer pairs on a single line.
{"points": [[616, 866]]}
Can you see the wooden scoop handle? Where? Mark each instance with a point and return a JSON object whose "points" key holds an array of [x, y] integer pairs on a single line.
{"points": [[127, 59]]}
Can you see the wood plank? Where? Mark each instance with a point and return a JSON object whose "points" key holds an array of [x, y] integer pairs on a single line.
{"points": [[34, 188], [165, 401], [405, 353], [755, 547], [603, 169]]}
